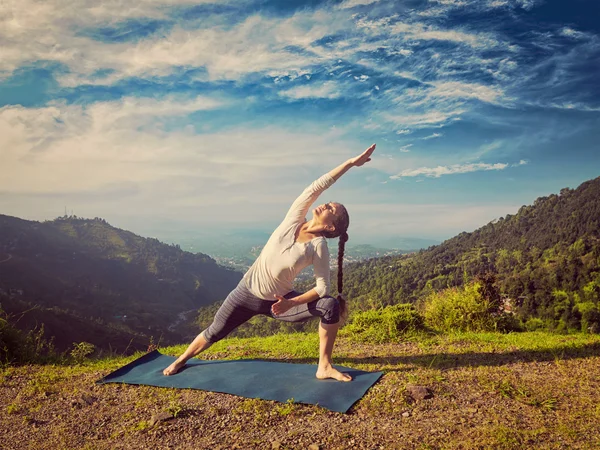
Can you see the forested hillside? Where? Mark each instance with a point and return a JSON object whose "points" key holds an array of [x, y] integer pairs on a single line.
{"points": [[546, 261], [88, 269]]}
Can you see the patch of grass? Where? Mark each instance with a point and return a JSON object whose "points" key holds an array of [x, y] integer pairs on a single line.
{"points": [[175, 406], [6, 373], [524, 395], [285, 409], [385, 397], [45, 382], [254, 409], [141, 425], [13, 408], [507, 438]]}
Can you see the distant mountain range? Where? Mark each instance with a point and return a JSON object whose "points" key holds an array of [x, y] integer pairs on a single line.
{"points": [[239, 248]]}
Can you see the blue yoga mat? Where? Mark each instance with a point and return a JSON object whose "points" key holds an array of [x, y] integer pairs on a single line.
{"points": [[250, 378]]}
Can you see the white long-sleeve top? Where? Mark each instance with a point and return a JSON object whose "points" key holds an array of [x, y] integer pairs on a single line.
{"points": [[282, 258]]}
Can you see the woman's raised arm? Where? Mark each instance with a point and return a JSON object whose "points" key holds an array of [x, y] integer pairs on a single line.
{"points": [[301, 205], [357, 161]]}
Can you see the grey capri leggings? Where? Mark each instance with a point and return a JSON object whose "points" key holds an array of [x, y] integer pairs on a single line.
{"points": [[241, 305]]}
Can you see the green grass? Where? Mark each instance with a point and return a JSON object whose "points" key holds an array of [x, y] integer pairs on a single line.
{"points": [[435, 351]]}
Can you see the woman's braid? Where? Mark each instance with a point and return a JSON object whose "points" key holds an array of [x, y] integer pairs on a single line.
{"points": [[340, 284]]}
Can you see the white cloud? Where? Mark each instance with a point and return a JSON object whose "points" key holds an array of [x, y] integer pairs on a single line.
{"points": [[454, 3], [486, 148], [405, 52], [73, 148], [450, 92], [571, 33], [425, 119], [48, 31], [457, 89], [257, 44], [436, 172], [328, 90], [527, 4], [432, 136], [420, 31], [354, 3], [437, 103], [482, 5], [405, 148]]}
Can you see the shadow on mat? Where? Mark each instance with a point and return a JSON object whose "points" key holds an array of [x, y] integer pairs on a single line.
{"points": [[447, 361]]}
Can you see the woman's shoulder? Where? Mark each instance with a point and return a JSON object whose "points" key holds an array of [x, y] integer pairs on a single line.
{"points": [[320, 243]]}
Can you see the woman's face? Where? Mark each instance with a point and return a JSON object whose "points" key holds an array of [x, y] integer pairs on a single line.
{"points": [[325, 214]]}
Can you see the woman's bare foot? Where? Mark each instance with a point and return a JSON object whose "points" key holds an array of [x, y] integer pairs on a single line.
{"points": [[174, 368], [330, 372]]}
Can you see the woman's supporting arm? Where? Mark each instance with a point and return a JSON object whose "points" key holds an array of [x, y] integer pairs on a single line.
{"points": [[283, 304]]}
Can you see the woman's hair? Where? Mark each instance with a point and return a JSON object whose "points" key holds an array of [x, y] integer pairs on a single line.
{"points": [[340, 223]]}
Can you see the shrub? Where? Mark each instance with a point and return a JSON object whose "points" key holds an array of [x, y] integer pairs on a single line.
{"points": [[590, 316], [81, 351], [506, 322], [534, 324], [11, 342], [19, 347], [384, 325], [460, 309]]}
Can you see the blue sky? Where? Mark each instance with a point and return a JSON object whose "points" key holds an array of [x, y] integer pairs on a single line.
{"points": [[212, 115]]}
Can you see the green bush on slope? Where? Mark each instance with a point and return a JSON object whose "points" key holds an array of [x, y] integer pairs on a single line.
{"points": [[384, 325], [465, 308]]}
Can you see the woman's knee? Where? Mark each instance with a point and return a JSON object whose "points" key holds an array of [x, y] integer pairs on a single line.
{"points": [[331, 310]]}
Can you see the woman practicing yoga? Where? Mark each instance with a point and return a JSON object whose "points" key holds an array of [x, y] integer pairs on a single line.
{"points": [[294, 245]]}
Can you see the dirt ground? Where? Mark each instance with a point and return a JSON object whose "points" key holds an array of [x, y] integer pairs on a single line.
{"points": [[492, 398]]}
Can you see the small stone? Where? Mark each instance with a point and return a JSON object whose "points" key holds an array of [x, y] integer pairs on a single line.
{"points": [[314, 447], [87, 399], [418, 392], [275, 445], [406, 414], [472, 410], [160, 417]]}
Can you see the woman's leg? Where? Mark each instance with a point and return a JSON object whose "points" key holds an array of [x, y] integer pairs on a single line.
{"points": [[198, 345], [327, 308], [327, 334], [239, 306]]}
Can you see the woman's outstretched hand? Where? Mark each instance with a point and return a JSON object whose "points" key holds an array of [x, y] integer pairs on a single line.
{"points": [[281, 306], [364, 157], [357, 161]]}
